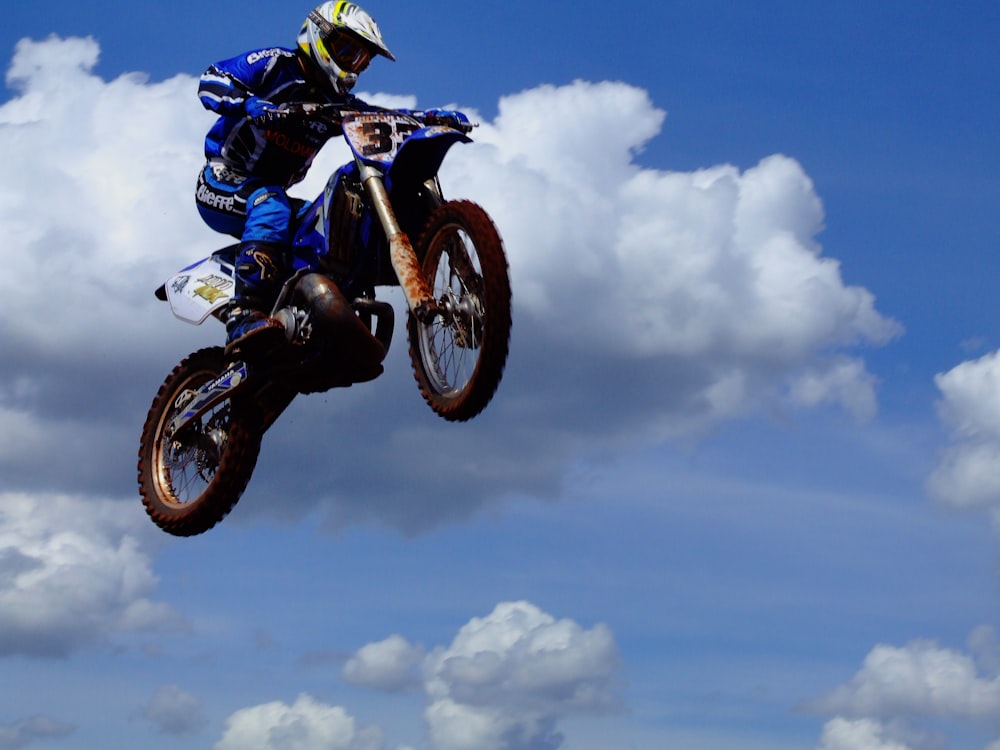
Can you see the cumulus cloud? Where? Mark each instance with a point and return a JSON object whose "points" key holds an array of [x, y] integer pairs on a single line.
{"points": [[920, 679], [708, 291], [174, 711], [715, 264], [859, 734], [305, 725], [968, 474], [519, 650], [23, 733], [504, 682], [72, 572], [900, 687], [96, 184], [836, 383], [506, 679], [390, 665]]}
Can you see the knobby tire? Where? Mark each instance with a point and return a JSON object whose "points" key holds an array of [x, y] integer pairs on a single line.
{"points": [[458, 362], [219, 450]]}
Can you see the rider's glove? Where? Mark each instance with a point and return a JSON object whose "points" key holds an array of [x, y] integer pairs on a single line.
{"points": [[262, 112], [450, 117]]}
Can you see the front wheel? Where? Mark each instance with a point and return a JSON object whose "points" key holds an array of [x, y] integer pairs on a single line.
{"points": [[191, 480], [459, 356]]}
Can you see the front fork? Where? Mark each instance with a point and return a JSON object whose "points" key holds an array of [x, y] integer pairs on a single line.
{"points": [[419, 298], [190, 405]]}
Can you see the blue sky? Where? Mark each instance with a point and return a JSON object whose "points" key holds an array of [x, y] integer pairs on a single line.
{"points": [[737, 489]]}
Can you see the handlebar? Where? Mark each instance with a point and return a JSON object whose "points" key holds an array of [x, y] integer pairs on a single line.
{"points": [[335, 113], [313, 109]]}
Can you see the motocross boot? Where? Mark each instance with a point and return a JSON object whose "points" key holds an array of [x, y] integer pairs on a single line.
{"points": [[258, 274]]}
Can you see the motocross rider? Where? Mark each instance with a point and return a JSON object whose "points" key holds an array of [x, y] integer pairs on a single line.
{"points": [[257, 148]]}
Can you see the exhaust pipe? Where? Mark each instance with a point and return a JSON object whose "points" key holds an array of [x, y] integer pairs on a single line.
{"points": [[335, 317]]}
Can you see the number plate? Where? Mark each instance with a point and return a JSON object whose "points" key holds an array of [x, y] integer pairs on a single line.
{"points": [[377, 136]]}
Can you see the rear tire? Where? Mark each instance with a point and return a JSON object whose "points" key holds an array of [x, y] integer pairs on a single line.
{"points": [[190, 482], [459, 357]]}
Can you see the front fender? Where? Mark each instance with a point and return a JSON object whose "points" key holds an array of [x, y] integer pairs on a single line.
{"points": [[420, 156]]}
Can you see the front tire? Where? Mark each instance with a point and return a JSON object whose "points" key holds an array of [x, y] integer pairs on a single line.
{"points": [[191, 481], [459, 357]]}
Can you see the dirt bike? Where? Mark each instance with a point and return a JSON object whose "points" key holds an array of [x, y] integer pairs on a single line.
{"points": [[381, 220]]}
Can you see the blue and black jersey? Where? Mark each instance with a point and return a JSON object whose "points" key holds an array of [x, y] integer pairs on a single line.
{"points": [[282, 152]]}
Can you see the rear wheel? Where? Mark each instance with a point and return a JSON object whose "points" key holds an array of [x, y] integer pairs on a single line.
{"points": [[191, 480], [459, 356]]}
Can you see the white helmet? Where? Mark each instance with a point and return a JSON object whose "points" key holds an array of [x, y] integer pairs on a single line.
{"points": [[340, 38]]}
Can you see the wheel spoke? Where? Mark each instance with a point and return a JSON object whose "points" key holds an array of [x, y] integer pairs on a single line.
{"points": [[188, 463], [458, 358], [451, 342], [191, 480]]}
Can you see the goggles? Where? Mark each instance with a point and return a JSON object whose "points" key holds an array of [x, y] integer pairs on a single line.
{"points": [[350, 54]]}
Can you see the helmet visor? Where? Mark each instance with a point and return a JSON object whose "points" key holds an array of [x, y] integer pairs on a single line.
{"points": [[350, 54]]}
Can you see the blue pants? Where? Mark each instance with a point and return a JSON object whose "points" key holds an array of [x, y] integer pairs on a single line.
{"points": [[248, 208]]}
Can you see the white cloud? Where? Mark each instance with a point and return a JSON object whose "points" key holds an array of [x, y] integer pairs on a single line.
{"points": [[106, 209], [920, 679], [72, 572], [899, 689], [507, 678], [305, 725], [504, 682], [858, 734], [175, 711], [672, 262], [716, 274], [968, 474], [96, 207], [707, 290], [838, 383], [390, 665]]}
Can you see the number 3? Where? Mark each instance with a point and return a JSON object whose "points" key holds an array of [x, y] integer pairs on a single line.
{"points": [[379, 137]]}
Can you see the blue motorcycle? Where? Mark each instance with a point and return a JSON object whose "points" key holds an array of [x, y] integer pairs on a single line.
{"points": [[381, 221]]}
